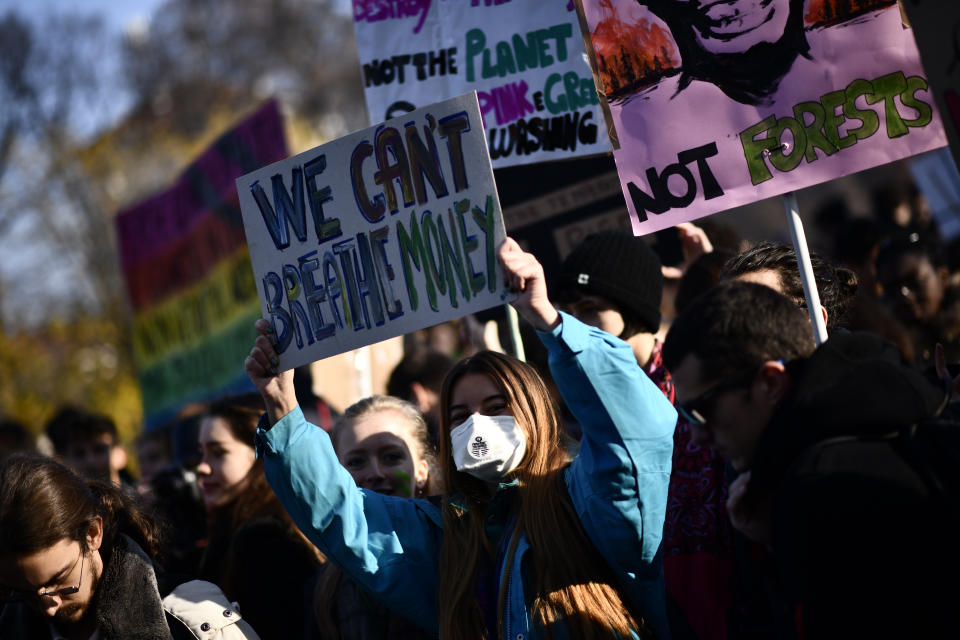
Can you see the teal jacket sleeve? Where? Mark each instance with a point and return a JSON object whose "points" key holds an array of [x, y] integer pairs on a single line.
{"points": [[618, 481], [390, 546]]}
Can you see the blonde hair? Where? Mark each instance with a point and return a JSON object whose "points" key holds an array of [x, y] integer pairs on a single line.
{"points": [[413, 418], [324, 594], [572, 583]]}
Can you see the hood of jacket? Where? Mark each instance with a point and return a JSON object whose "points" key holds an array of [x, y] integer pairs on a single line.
{"points": [[853, 384], [129, 584]]}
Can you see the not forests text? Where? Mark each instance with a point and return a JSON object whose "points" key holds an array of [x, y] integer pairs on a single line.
{"points": [[351, 283], [816, 129], [816, 126]]}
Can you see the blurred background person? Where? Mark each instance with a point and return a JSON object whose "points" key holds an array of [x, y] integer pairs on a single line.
{"points": [[89, 444], [14, 438], [154, 453], [899, 206], [700, 275], [922, 293], [254, 552], [317, 409], [174, 493], [856, 247], [383, 442], [418, 378]]}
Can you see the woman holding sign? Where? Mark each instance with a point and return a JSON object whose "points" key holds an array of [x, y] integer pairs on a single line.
{"points": [[525, 543]]}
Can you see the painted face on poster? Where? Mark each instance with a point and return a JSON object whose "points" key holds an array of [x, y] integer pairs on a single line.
{"points": [[797, 91]]}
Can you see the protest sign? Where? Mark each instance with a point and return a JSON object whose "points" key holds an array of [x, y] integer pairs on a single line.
{"points": [[936, 26], [549, 208], [379, 233], [187, 273], [523, 57], [721, 104]]}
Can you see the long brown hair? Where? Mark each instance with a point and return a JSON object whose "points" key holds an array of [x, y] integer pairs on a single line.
{"points": [[43, 502], [252, 497], [571, 581]]}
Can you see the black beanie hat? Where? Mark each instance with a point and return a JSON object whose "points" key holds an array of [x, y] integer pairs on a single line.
{"points": [[620, 267]]}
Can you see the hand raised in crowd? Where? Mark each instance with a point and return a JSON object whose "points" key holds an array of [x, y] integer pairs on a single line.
{"points": [[524, 275], [261, 367], [694, 243]]}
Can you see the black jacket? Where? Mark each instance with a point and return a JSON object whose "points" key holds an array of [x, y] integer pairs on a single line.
{"points": [[863, 547], [127, 603]]}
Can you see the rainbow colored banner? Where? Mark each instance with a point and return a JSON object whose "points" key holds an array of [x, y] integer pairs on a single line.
{"points": [[188, 273]]}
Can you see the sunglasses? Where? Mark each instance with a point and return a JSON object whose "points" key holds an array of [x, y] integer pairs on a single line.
{"points": [[693, 411]]}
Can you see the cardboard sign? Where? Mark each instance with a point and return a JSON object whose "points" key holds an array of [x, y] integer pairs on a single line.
{"points": [[720, 104], [523, 57], [379, 233], [187, 272]]}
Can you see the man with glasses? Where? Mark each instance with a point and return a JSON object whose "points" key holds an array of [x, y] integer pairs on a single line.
{"points": [[831, 481], [76, 563]]}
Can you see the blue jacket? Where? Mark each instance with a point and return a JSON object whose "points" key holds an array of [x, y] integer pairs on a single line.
{"points": [[617, 483]]}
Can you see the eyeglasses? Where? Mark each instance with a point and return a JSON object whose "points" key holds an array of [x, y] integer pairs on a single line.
{"points": [[22, 595], [693, 410]]}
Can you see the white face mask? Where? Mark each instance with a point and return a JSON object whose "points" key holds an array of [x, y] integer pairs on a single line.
{"points": [[488, 447]]}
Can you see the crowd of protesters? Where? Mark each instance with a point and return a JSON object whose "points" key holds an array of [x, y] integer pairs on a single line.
{"points": [[686, 462]]}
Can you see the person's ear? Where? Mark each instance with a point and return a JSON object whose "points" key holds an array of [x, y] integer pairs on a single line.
{"points": [[826, 316], [95, 533], [420, 395], [420, 476], [773, 380]]}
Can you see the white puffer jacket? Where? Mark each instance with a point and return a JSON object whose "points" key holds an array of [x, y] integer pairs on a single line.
{"points": [[204, 609]]}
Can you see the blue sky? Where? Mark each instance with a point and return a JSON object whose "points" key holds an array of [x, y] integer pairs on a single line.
{"points": [[116, 13]]}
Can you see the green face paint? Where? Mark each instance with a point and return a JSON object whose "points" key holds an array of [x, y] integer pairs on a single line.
{"points": [[406, 481]]}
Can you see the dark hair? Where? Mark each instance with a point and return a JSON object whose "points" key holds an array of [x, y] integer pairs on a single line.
{"points": [[160, 435], [70, 424], [836, 285], [857, 240], [735, 326], [421, 364], [749, 77], [252, 496], [703, 273], [14, 437], [42, 502]]}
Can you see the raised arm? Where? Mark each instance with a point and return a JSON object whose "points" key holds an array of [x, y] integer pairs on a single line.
{"points": [[388, 545], [276, 389], [618, 481]]}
